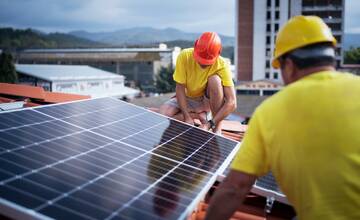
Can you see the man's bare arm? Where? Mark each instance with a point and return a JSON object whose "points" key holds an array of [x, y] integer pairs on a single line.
{"points": [[229, 105], [181, 99], [230, 195]]}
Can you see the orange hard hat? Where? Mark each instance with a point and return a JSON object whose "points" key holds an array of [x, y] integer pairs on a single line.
{"points": [[207, 48]]}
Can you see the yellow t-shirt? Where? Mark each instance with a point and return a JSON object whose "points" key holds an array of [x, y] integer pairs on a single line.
{"points": [[190, 73], [308, 135]]}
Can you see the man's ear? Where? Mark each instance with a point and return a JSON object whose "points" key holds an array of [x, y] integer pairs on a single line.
{"points": [[290, 69], [287, 68]]}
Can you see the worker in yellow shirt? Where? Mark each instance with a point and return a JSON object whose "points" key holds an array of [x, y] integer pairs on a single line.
{"points": [[307, 134], [203, 84]]}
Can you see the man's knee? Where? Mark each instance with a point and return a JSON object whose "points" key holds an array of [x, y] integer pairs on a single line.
{"points": [[168, 110], [214, 87], [214, 81]]}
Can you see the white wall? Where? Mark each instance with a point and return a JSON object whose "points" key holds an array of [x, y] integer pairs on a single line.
{"points": [[259, 39], [295, 7], [94, 88]]}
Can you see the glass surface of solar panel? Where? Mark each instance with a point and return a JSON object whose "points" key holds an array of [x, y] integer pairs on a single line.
{"points": [[268, 182], [105, 159]]}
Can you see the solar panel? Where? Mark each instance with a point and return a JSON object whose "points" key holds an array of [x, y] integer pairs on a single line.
{"points": [[104, 159], [265, 186]]}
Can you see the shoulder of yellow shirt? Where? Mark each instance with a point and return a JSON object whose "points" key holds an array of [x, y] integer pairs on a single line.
{"points": [[266, 104]]}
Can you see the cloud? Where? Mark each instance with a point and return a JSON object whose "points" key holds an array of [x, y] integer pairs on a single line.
{"points": [[98, 15], [352, 16]]}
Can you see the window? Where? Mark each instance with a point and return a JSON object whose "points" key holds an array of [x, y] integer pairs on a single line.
{"points": [[118, 82], [275, 75], [268, 40], [338, 38], [277, 15], [276, 27], [268, 52], [267, 64], [268, 15], [94, 84], [335, 26], [269, 92], [269, 3], [268, 27], [277, 3], [67, 86], [338, 52], [267, 75], [309, 3]]}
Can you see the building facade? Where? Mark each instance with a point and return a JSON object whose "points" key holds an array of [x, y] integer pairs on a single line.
{"points": [[138, 65], [75, 79], [258, 87], [257, 23]]}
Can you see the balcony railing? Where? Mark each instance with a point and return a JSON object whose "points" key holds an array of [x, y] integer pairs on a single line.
{"points": [[322, 8]]}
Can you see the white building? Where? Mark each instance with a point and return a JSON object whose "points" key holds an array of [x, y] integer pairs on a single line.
{"points": [[138, 65], [257, 23], [75, 79]]}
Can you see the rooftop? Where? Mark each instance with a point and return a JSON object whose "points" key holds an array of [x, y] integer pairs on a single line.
{"points": [[98, 50], [18, 96], [246, 103], [64, 72]]}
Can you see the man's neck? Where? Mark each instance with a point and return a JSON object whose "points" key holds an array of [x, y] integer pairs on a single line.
{"points": [[311, 70]]}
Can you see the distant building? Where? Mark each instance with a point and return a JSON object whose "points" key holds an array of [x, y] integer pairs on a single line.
{"points": [[350, 68], [258, 87], [138, 65], [257, 23], [75, 79]]}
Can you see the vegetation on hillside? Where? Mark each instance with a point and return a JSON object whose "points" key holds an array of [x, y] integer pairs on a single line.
{"points": [[7, 68], [15, 39], [352, 56]]}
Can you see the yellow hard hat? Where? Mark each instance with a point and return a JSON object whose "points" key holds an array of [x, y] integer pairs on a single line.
{"points": [[298, 32]]}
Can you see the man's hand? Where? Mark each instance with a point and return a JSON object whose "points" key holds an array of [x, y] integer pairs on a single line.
{"points": [[231, 192], [188, 119]]}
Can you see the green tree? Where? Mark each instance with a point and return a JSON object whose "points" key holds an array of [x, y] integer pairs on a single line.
{"points": [[7, 69], [352, 56], [164, 81]]}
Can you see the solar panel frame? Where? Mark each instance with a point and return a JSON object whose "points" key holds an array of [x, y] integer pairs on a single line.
{"points": [[265, 186], [9, 207]]}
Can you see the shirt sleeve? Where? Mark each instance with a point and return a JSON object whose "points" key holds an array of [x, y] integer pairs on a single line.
{"points": [[180, 73], [225, 75], [252, 157]]}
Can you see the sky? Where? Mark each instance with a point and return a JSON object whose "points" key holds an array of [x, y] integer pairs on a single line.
{"points": [[110, 15]]}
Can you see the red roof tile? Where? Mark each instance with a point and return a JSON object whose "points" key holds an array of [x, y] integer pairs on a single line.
{"points": [[22, 90], [34, 96]]}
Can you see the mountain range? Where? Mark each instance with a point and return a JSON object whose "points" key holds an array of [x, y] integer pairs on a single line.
{"points": [[143, 36], [17, 39]]}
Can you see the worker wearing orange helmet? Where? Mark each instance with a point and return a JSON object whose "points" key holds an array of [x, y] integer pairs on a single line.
{"points": [[307, 135], [203, 84]]}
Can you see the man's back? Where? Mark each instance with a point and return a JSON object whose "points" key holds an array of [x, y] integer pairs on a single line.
{"points": [[308, 135]]}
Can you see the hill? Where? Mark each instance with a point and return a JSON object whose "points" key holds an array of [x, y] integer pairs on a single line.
{"points": [[15, 39], [144, 35]]}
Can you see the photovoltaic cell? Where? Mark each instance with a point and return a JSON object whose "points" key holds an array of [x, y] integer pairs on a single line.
{"points": [[104, 159]]}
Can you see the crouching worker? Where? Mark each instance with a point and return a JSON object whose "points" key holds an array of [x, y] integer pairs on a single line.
{"points": [[203, 85]]}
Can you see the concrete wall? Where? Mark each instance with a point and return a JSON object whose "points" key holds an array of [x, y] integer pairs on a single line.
{"points": [[259, 46], [245, 39]]}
